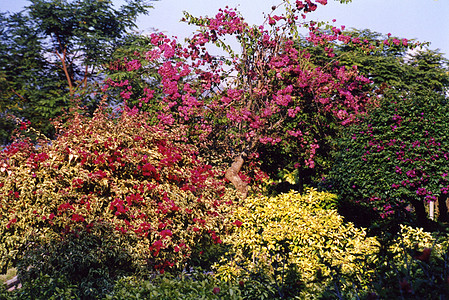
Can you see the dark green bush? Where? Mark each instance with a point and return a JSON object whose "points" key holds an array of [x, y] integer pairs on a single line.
{"points": [[44, 287], [395, 160], [194, 286], [88, 261]]}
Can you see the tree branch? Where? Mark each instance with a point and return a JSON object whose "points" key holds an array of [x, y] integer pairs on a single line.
{"points": [[232, 174], [64, 66], [18, 95]]}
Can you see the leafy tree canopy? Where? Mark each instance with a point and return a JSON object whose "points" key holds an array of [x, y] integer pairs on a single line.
{"points": [[51, 51], [387, 62]]}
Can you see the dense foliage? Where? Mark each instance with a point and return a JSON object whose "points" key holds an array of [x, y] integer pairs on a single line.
{"points": [[397, 156], [51, 54], [295, 241], [111, 175], [266, 261], [135, 200]]}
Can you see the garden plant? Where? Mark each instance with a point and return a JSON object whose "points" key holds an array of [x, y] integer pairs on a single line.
{"points": [[170, 186]]}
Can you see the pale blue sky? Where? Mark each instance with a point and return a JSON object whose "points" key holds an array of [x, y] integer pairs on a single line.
{"points": [[425, 20]]}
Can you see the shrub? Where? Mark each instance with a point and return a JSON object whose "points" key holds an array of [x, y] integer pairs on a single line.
{"points": [[413, 265], [42, 288], [89, 262], [397, 156], [293, 244], [163, 203], [193, 286]]}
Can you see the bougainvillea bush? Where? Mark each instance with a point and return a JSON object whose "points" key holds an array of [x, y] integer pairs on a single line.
{"points": [[396, 158], [269, 93], [114, 175]]}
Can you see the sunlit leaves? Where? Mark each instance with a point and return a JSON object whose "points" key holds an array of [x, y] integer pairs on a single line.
{"points": [[114, 170]]}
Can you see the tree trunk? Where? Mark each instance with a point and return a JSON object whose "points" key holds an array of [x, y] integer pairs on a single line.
{"points": [[232, 174], [443, 215], [420, 213]]}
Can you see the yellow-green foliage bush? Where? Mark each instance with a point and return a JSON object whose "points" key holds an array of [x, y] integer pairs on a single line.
{"points": [[297, 230], [410, 237], [412, 265]]}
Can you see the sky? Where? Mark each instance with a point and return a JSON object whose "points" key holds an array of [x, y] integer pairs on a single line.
{"points": [[424, 20]]}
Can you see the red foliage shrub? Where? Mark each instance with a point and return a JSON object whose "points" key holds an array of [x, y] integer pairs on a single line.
{"points": [[164, 202]]}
